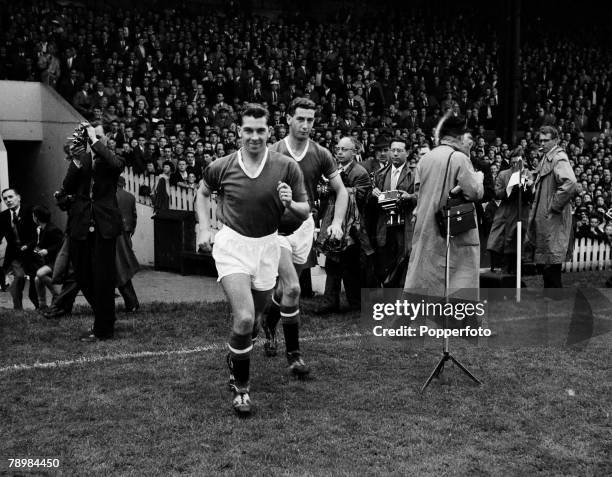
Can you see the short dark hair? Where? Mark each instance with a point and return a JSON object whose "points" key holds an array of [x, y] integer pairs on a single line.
{"points": [[454, 126], [10, 188], [400, 140], [254, 110], [41, 213], [303, 103]]}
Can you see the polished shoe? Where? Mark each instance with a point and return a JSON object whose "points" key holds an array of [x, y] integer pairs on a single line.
{"points": [[89, 337], [132, 309]]}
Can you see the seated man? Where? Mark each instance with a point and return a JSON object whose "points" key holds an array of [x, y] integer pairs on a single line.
{"points": [[43, 250]]}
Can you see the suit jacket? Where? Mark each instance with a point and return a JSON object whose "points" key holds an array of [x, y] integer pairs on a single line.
{"points": [[51, 238], [357, 177], [25, 228], [94, 204], [405, 182], [127, 206]]}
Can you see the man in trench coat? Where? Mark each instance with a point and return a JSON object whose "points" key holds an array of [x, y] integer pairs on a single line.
{"points": [[427, 266], [549, 231]]}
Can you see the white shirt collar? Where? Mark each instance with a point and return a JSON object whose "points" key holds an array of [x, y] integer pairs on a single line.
{"points": [[259, 169], [293, 154], [399, 169]]}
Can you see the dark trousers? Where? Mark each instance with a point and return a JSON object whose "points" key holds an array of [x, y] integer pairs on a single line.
{"points": [[306, 284], [18, 284], [391, 264], [129, 295], [551, 275], [345, 270], [70, 289], [93, 260]]}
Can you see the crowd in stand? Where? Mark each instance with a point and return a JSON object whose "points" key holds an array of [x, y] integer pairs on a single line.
{"points": [[168, 84]]}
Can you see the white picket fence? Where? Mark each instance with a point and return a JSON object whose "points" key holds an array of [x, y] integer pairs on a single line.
{"points": [[180, 198], [588, 254]]}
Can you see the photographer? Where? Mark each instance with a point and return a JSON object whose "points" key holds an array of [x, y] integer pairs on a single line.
{"points": [[426, 269], [394, 240], [344, 267], [94, 223]]}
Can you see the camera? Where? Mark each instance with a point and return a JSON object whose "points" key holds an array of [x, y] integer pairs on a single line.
{"points": [[78, 140]]}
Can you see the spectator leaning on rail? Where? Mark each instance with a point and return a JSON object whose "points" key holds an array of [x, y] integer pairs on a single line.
{"points": [[549, 232]]}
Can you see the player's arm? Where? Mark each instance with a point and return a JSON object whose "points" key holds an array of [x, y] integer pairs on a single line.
{"points": [[203, 213], [335, 229], [300, 209]]}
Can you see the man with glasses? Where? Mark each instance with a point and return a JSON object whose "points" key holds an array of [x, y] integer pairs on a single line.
{"points": [[549, 230], [296, 237], [344, 267], [394, 241]]}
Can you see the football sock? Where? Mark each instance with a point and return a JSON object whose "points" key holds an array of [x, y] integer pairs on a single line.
{"points": [[290, 316], [240, 347], [273, 316]]}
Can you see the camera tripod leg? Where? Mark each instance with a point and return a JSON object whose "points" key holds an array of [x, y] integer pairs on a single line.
{"points": [[464, 369], [436, 372]]}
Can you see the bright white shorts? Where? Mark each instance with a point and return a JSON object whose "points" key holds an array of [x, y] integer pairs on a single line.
{"points": [[299, 242], [257, 257]]}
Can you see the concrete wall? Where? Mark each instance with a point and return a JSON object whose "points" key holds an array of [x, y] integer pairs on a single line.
{"points": [[142, 240], [34, 122]]}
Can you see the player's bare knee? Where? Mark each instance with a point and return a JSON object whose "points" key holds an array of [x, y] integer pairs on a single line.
{"points": [[292, 291], [243, 321]]}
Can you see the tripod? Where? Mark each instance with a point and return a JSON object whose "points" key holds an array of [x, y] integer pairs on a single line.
{"points": [[446, 356]]}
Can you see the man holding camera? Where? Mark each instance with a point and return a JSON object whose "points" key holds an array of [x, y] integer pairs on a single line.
{"points": [[394, 228], [426, 270], [94, 223]]}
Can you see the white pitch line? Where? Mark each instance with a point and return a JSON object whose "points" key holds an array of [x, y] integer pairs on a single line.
{"points": [[146, 354]]}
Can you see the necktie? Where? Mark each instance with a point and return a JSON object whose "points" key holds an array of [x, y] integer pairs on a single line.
{"points": [[394, 178], [15, 221]]}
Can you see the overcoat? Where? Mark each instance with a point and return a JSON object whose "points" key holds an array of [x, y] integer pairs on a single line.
{"points": [[427, 265], [550, 219]]}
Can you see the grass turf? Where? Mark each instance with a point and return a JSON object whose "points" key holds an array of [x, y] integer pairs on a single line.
{"points": [[541, 410]]}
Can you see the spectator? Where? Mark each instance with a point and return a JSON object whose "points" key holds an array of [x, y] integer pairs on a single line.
{"points": [[43, 250]]}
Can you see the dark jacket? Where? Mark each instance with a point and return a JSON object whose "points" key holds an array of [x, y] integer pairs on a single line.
{"points": [[25, 228], [51, 239], [100, 208], [127, 206], [405, 183], [357, 178]]}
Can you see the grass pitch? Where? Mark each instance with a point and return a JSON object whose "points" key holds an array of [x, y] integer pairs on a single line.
{"points": [[125, 407]]}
